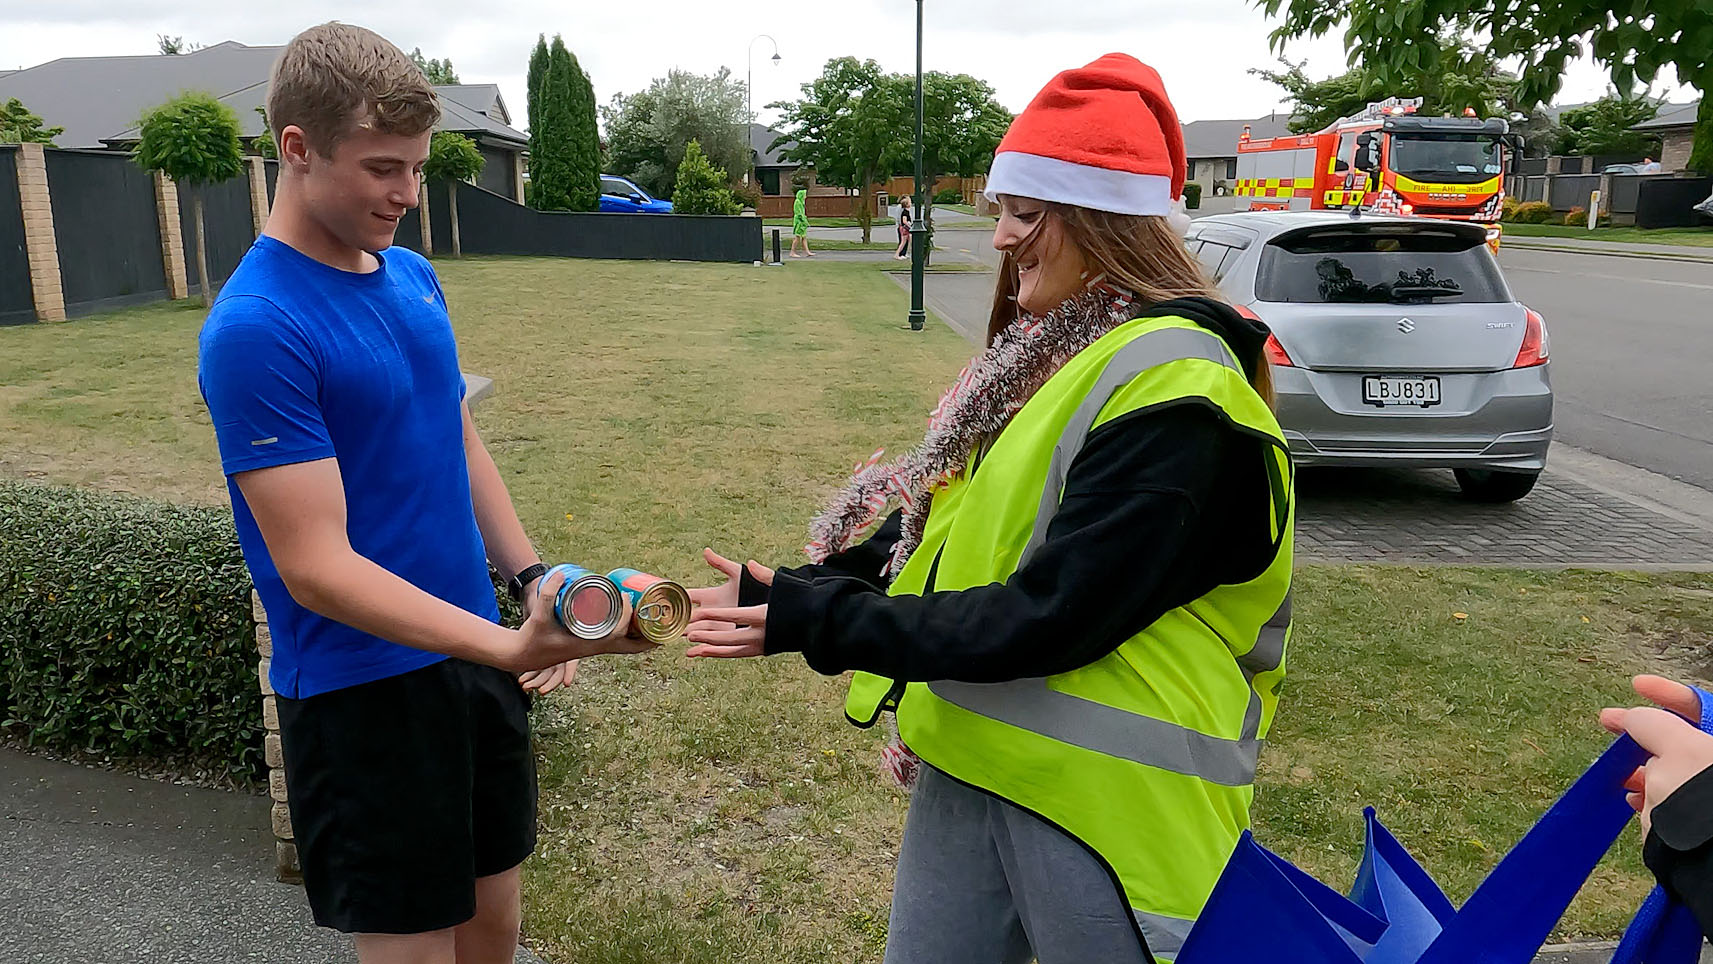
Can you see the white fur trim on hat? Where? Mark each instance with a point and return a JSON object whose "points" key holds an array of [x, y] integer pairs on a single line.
{"points": [[1081, 185]]}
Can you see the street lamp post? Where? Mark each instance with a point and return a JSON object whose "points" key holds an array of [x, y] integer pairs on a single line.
{"points": [[918, 226], [749, 85]]}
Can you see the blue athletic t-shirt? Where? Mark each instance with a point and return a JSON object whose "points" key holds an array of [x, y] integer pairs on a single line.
{"points": [[302, 361]]}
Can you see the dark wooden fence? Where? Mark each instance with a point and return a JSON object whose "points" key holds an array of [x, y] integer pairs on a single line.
{"points": [[17, 304], [490, 224]]}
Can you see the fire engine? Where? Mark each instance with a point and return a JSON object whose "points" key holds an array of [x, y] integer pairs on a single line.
{"points": [[1386, 159]]}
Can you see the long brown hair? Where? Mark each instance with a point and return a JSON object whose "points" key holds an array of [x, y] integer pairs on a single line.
{"points": [[1139, 252]]}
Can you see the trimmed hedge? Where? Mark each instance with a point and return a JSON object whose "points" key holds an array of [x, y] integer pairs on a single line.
{"points": [[126, 630], [1192, 195], [950, 195]]}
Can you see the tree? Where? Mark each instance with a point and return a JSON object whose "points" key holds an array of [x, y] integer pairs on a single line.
{"points": [[701, 187], [193, 139], [438, 72], [962, 127], [264, 142], [538, 61], [851, 124], [586, 142], [647, 132], [1317, 104], [1396, 39], [452, 157], [1603, 127], [19, 126], [565, 168], [175, 46]]}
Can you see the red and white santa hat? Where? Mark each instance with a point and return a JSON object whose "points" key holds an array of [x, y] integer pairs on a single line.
{"points": [[1104, 136]]}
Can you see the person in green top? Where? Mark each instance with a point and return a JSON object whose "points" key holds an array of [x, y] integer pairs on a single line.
{"points": [[800, 224]]}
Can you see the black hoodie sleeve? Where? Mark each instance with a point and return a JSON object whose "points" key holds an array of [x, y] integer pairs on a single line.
{"points": [[1160, 507], [867, 562], [1679, 848]]}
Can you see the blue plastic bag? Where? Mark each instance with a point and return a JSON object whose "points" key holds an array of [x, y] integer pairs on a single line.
{"points": [[1264, 908]]}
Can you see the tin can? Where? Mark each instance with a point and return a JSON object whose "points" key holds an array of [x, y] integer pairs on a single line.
{"points": [[587, 605], [660, 608]]}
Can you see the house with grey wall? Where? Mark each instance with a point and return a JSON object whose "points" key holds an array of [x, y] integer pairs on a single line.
{"points": [[99, 101], [1210, 147], [1675, 127]]}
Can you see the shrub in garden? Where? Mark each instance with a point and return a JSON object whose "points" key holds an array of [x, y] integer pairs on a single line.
{"points": [[950, 195], [1192, 195], [1534, 212], [1578, 217], [701, 187], [126, 630]]}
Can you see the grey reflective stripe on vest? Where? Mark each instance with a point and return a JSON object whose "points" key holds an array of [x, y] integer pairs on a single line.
{"points": [[1165, 935], [1031, 705], [1149, 351]]}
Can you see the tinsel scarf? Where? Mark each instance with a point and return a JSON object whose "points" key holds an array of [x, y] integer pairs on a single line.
{"points": [[986, 395]]}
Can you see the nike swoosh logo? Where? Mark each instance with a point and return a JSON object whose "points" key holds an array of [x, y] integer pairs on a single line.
{"points": [[428, 299]]}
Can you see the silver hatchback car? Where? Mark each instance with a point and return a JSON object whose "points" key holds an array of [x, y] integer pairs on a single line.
{"points": [[1396, 342]]}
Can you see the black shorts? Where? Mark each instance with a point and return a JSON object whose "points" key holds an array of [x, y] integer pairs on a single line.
{"points": [[405, 790]]}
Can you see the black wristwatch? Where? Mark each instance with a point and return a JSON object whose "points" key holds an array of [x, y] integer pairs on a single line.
{"points": [[518, 582]]}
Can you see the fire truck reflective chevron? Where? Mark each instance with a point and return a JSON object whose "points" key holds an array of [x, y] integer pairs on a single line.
{"points": [[1275, 187]]}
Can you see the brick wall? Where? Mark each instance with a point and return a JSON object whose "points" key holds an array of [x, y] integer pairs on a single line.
{"points": [[1674, 154]]}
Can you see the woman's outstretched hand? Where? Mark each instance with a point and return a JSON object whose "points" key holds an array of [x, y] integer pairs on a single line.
{"points": [[1679, 749], [718, 625]]}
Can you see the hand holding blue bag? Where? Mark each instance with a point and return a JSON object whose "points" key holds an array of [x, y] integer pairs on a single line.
{"points": [[1264, 908]]}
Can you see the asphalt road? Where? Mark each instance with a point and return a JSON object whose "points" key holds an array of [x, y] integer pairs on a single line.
{"points": [[1631, 340]]}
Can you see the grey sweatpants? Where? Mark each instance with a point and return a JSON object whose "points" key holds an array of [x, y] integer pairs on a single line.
{"points": [[983, 882]]}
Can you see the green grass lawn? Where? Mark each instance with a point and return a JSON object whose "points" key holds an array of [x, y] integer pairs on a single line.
{"points": [[1696, 237], [719, 812], [968, 209]]}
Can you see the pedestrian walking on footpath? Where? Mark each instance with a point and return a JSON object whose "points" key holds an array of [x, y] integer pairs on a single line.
{"points": [[368, 511], [1079, 612], [800, 224], [903, 251]]}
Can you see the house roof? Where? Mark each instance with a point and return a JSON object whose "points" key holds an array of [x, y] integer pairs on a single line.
{"points": [[1218, 138], [99, 100], [1672, 115], [482, 98], [760, 137]]}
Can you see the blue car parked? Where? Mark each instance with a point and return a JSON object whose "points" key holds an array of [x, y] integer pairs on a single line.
{"points": [[620, 195]]}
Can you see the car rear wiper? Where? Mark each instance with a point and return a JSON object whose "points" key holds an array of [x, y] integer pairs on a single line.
{"points": [[1423, 291]]}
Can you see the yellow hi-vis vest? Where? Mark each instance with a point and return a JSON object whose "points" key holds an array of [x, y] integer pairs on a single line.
{"points": [[1147, 756]]}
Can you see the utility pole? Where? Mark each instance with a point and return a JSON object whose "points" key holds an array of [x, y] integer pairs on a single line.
{"points": [[918, 225]]}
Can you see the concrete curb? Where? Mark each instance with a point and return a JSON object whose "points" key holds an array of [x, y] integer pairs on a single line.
{"points": [[1592, 952], [1531, 245]]}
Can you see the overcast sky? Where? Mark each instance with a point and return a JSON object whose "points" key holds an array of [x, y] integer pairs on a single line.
{"points": [[1202, 49]]}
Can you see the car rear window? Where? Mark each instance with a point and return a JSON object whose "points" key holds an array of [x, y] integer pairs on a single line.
{"points": [[1379, 264]]}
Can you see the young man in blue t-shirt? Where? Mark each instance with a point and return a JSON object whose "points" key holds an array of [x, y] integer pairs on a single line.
{"points": [[368, 510]]}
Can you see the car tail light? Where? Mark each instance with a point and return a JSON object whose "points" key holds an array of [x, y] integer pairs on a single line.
{"points": [[1274, 351], [1534, 350]]}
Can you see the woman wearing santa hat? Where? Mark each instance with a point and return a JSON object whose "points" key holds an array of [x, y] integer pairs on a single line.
{"points": [[1079, 612]]}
